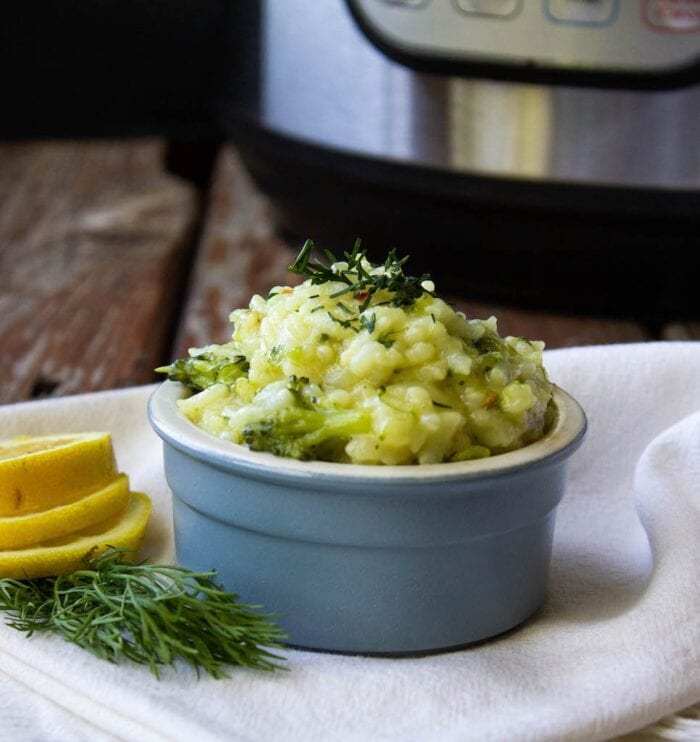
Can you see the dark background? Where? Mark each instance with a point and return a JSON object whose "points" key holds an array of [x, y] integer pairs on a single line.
{"points": [[84, 68]]}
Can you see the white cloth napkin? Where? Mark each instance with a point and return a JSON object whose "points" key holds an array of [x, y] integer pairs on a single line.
{"points": [[616, 646]]}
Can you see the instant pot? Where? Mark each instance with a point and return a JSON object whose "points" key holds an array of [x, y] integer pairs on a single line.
{"points": [[538, 152], [544, 152]]}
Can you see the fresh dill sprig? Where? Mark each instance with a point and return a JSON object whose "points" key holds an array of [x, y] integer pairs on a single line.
{"points": [[364, 285], [151, 614]]}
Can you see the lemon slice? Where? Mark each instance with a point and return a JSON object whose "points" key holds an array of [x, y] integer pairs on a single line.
{"points": [[63, 555], [41, 472], [21, 531]]}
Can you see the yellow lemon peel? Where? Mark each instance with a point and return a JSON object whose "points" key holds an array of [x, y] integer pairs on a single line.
{"points": [[41, 472], [66, 554], [22, 531]]}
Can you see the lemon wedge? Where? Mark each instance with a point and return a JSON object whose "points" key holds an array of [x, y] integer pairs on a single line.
{"points": [[21, 531], [40, 472], [60, 556]]}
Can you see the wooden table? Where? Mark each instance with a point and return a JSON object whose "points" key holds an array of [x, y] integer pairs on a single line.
{"points": [[110, 265]]}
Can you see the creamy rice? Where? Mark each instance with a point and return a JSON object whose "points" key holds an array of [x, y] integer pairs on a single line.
{"points": [[428, 385]]}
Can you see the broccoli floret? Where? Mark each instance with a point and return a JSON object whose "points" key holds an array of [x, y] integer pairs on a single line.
{"points": [[301, 433], [468, 453], [206, 369], [490, 343]]}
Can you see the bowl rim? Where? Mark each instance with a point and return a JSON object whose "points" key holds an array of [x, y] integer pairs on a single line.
{"points": [[175, 429]]}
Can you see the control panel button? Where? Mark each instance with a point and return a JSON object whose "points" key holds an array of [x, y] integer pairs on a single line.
{"points": [[652, 40], [680, 16], [406, 3], [582, 12], [490, 8]]}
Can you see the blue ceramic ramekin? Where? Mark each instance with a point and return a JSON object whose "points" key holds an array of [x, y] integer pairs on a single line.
{"points": [[370, 559]]}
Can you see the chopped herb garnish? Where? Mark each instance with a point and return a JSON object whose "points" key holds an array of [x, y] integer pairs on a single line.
{"points": [[489, 342], [298, 382], [368, 322], [343, 322], [385, 340], [361, 281], [299, 387]]}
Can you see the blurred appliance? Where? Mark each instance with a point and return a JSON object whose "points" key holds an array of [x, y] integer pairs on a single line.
{"points": [[545, 151]]}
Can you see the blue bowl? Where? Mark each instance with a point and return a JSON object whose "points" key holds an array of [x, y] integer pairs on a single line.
{"points": [[370, 559]]}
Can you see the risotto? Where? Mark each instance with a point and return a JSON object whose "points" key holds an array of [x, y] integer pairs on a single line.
{"points": [[364, 364]]}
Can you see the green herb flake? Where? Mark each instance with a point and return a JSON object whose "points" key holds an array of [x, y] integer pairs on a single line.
{"points": [[385, 340], [346, 323], [368, 322], [403, 290]]}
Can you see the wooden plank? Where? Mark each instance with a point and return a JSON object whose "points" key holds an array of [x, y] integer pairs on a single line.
{"points": [[240, 255], [92, 241], [687, 330]]}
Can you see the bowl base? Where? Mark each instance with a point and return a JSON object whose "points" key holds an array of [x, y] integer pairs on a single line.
{"points": [[418, 653]]}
